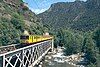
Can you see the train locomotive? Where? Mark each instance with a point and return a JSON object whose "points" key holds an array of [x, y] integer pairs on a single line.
{"points": [[26, 38]]}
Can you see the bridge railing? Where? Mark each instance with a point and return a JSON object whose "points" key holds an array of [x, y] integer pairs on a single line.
{"points": [[24, 57]]}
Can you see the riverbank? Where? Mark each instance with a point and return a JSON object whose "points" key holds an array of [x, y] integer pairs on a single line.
{"points": [[57, 59]]}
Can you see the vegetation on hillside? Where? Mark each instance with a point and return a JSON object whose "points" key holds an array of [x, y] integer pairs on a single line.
{"points": [[78, 15], [15, 17]]}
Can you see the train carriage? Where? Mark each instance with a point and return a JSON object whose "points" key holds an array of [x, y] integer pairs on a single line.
{"points": [[29, 39]]}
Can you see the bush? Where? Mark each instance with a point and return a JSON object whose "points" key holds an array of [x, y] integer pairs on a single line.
{"points": [[17, 24]]}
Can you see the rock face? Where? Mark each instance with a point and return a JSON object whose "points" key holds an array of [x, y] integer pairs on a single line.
{"points": [[78, 15], [13, 1], [15, 17]]}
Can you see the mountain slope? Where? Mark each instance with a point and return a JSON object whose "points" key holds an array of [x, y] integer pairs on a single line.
{"points": [[76, 15], [15, 17]]}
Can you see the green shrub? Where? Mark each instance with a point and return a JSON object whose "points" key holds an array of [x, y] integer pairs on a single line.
{"points": [[17, 24]]}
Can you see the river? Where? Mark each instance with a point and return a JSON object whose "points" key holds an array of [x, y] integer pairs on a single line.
{"points": [[59, 60]]}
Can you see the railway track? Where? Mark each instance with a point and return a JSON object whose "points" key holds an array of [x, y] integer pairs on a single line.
{"points": [[5, 49]]}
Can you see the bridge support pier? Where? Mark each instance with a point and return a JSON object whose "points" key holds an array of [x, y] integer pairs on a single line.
{"points": [[52, 46]]}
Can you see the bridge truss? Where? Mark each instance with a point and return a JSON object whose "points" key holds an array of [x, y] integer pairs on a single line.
{"points": [[26, 57]]}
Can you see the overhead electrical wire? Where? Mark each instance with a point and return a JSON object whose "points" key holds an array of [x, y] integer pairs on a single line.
{"points": [[36, 4], [40, 9]]}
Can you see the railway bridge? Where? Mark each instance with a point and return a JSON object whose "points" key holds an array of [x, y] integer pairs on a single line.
{"points": [[28, 56]]}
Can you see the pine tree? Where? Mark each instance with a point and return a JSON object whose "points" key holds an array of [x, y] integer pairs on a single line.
{"points": [[96, 37], [88, 48]]}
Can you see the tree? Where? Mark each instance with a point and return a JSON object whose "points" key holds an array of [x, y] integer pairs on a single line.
{"points": [[60, 37], [71, 43], [89, 49], [96, 37], [18, 24]]}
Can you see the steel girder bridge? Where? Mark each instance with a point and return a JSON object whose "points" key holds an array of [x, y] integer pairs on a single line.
{"points": [[27, 56]]}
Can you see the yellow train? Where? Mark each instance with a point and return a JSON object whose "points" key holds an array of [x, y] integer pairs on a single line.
{"points": [[28, 39]]}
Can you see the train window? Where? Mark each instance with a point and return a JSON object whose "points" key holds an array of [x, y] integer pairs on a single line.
{"points": [[32, 38], [36, 37], [24, 37]]}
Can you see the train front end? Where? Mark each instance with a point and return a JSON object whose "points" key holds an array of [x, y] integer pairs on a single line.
{"points": [[24, 39]]}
